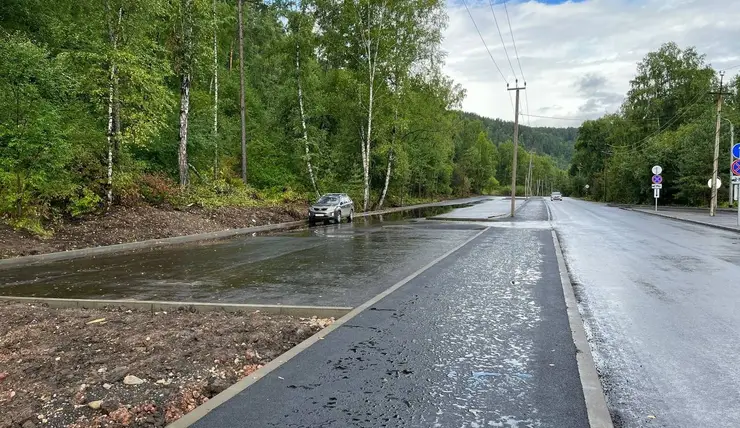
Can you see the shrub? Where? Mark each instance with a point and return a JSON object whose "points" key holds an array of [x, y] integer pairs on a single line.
{"points": [[89, 202]]}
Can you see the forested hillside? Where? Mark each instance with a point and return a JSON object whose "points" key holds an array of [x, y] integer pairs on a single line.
{"points": [[555, 142], [669, 119], [213, 102]]}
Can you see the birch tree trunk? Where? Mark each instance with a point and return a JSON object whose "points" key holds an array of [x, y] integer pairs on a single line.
{"points": [[112, 129], [303, 119], [215, 92], [387, 178], [371, 53], [241, 91], [182, 154], [390, 157]]}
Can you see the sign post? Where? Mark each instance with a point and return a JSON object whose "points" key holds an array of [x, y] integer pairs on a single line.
{"points": [[736, 177], [657, 183]]}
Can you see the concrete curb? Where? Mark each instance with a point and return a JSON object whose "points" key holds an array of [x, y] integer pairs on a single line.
{"points": [[202, 410], [208, 236], [685, 220], [596, 408], [154, 306]]}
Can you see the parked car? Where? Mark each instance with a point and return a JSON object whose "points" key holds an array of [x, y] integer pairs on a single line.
{"points": [[556, 196], [332, 206]]}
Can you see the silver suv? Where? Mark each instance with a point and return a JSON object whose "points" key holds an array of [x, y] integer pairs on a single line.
{"points": [[332, 206], [556, 196]]}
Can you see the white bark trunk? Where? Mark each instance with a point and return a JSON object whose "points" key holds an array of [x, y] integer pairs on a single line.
{"points": [[366, 149], [182, 154], [303, 120], [113, 37], [215, 92], [109, 183], [387, 178]]}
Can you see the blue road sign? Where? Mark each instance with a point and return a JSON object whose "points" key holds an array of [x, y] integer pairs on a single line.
{"points": [[736, 151], [657, 179], [736, 167]]}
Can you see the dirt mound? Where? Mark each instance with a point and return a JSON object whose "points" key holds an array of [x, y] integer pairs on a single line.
{"points": [[93, 368]]}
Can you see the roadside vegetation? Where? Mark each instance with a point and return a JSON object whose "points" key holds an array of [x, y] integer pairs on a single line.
{"points": [[668, 118], [121, 104]]}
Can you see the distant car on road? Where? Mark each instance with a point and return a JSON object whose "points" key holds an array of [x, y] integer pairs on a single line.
{"points": [[556, 196], [332, 206]]}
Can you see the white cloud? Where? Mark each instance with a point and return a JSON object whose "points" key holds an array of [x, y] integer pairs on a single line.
{"points": [[578, 58]]}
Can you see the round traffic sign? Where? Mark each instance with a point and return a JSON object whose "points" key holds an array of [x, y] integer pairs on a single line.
{"points": [[657, 179], [736, 150], [736, 167], [719, 183], [657, 170]]}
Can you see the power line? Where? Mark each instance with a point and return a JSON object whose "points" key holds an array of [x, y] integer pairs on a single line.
{"points": [[484, 41], [556, 118], [641, 144], [490, 3], [516, 52]]}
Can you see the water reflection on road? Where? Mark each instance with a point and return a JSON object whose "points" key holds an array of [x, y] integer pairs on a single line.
{"points": [[341, 264]]}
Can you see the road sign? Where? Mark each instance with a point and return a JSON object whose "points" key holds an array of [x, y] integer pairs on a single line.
{"points": [[719, 183], [736, 167], [736, 150], [736, 179], [587, 186], [657, 170], [657, 179], [660, 186]]}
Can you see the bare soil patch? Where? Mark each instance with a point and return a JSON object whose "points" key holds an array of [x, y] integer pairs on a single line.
{"points": [[139, 223], [113, 367]]}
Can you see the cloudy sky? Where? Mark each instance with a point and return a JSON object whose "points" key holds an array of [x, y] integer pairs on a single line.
{"points": [[578, 56]]}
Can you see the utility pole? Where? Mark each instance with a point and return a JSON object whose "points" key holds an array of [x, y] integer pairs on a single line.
{"points": [[242, 90], [713, 205], [516, 142], [528, 187]]}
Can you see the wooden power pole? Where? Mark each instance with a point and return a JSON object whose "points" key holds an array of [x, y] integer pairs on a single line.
{"points": [[516, 143], [713, 205], [242, 90]]}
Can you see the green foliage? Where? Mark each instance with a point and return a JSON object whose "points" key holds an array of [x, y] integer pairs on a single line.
{"points": [[65, 65], [87, 203], [667, 119]]}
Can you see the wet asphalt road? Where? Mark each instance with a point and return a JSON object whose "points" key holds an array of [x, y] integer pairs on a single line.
{"points": [[480, 339], [661, 300], [335, 265]]}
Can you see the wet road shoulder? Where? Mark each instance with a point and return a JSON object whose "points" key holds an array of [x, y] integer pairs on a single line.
{"points": [[479, 339]]}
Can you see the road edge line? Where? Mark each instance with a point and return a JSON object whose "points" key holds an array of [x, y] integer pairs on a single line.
{"points": [[684, 220], [593, 393], [232, 391]]}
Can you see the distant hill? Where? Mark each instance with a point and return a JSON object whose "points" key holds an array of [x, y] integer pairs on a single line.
{"points": [[556, 142]]}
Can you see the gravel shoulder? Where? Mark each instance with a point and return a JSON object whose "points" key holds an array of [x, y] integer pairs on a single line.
{"points": [[114, 367]]}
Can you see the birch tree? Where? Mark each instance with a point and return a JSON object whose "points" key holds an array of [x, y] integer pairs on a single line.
{"points": [[300, 27], [215, 91], [113, 131], [185, 83], [379, 40]]}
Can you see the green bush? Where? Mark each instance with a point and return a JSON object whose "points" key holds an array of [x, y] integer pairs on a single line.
{"points": [[88, 203]]}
